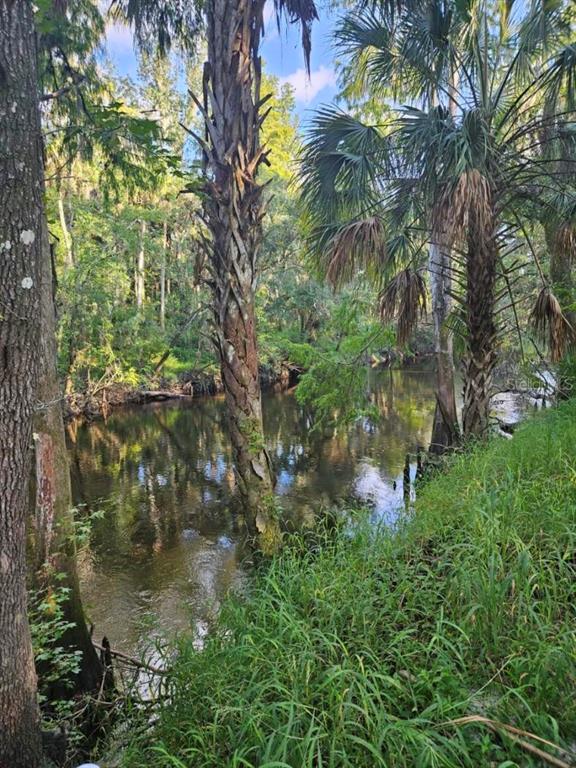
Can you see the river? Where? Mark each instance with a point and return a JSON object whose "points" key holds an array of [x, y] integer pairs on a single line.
{"points": [[157, 483]]}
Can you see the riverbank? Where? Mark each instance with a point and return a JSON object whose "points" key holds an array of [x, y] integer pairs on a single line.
{"points": [[186, 386], [402, 648]]}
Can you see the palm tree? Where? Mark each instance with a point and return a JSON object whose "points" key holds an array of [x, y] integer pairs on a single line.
{"points": [[458, 172], [550, 34], [403, 50], [233, 111]]}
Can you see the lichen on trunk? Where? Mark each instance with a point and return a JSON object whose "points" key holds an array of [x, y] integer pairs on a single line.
{"points": [[21, 216]]}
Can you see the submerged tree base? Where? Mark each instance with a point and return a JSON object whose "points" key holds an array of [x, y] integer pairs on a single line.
{"points": [[401, 648]]}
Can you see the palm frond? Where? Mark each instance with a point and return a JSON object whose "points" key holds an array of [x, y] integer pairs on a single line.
{"points": [[551, 324], [340, 164], [403, 299], [160, 23], [358, 245], [465, 209], [565, 240], [302, 12]]}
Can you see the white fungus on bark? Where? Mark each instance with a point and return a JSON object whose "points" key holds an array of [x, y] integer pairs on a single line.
{"points": [[27, 236], [27, 283]]}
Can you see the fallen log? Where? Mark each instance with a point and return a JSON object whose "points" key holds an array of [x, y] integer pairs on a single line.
{"points": [[159, 395], [130, 659]]}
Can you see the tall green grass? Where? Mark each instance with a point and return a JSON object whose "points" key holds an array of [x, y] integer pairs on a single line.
{"points": [[359, 651]]}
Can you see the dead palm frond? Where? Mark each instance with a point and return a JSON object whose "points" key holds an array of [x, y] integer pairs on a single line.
{"points": [[403, 299], [565, 240], [465, 209], [358, 245], [551, 324]]}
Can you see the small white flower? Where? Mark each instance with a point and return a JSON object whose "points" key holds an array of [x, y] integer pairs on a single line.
{"points": [[27, 283], [27, 237]]}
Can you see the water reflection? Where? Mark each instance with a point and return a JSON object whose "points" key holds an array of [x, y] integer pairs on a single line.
{"points": [[168, 546]]}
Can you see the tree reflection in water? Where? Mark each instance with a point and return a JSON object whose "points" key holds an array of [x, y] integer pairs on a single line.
{"points": [[169, 544]]}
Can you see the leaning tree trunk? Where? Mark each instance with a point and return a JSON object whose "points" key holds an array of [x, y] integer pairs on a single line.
{"points": [[21, 215], [481, 341], [55, 550], [234, 211], [445, 431]]}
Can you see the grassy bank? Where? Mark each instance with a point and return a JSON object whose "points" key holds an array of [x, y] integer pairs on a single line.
{"points": [[361, 652]]}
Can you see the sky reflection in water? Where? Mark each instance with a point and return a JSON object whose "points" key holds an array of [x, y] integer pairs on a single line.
{"points": [[168, 547]]}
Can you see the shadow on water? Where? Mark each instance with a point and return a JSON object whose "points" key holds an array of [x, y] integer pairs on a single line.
{"points": [[168, 545]]}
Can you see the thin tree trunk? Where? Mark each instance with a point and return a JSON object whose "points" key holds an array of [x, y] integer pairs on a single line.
{"points": [[163, 278], [234, 211], [140, 266], [55, 549], [68, 242], [445, 431], [21, 216], [481, 262]]}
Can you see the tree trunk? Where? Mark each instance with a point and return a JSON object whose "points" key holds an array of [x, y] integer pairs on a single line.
{"points": [[480, 359], [163, 278], [445, 431], [139, 277], [68, 243], [561, 242], [21, 216], [55, 550], [233, 212]]}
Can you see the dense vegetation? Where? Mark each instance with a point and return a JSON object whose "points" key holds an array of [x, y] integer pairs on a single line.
{"points": [[363, 647], [179, 232]]}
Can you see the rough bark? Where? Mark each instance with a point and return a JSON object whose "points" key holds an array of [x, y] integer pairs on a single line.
{"points": [[445, 430], [21, 215], [233, 212], [55, 550], [480, 358]]}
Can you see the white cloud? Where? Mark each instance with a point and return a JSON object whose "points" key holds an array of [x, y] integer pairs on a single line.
{"points": [[307, 88]]}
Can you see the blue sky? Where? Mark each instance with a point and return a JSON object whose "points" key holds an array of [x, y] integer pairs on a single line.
{"points": [[281, 52]]}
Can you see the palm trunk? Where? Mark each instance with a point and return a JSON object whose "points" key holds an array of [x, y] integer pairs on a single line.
{"points": [[21, 216], [445, 431], [481, 263], [234, 212], [55, 550]]}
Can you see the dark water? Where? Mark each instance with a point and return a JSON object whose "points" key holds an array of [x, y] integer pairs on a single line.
{"points": [[167, 545]]}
